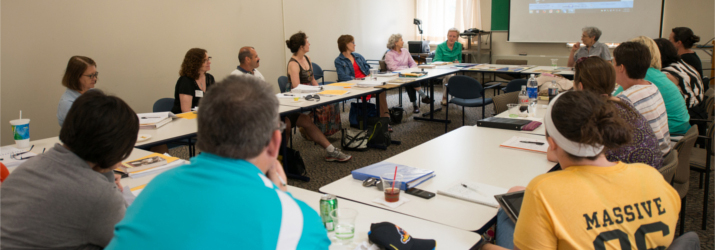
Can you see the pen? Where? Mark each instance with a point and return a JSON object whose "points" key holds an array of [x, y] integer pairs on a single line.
{"points": [[465, 186], [283, 182], [534, 142]]}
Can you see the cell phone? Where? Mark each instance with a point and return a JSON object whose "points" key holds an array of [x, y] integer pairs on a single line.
{"points": [[420, 193]]}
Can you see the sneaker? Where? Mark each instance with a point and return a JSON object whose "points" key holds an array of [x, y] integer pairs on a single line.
{"points": [[338, 156], [416, 110]]}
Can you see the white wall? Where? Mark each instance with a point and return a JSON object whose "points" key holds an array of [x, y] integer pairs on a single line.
{"points": [[139, 44]]}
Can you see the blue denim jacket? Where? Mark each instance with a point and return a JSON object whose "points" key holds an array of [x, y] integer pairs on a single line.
{"points": [[345, 68]]}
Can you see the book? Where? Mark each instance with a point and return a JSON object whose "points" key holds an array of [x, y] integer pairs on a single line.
{"points": [[333, 92], [411, 176], [525, 143], [302, 88], [147, 162], [503, 123], [158, 169], [474, 192], [511, 203], [155, 120]]}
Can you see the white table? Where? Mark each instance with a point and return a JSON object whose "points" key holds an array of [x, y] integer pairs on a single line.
{"points": [[465, 154], [540, 69], [177, 129], [446, 237], [538, 116]]}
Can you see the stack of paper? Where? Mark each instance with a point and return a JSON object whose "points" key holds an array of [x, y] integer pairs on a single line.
{"points": [[426, 66], [154, 120], [12, 156], [152, 163], [302, 88], [475, 192]]}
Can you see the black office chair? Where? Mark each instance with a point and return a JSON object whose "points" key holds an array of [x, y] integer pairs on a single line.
{"points": [[466, 92], [514, 85]]}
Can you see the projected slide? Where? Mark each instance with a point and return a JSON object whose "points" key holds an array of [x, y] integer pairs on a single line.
{"points": [[562, 20], [569, 6]]}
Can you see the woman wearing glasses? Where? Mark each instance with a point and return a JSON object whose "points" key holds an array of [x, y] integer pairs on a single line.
{"points": [[81, 75], [194, 80]]}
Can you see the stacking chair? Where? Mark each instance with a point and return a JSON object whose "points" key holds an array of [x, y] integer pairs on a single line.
{"points": [[318, 74], [514, 85], [701, 161], [501, 101], [506, 77], [467, 92], [681, 180], [283, 84], [670, 163], [165, 105]]}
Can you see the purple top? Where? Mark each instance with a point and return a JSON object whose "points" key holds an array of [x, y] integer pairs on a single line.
{"points": [[643, 147], [400, 61]]}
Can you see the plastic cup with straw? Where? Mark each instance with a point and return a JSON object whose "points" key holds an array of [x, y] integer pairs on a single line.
{"points": [[392, 193], [21, 131]]}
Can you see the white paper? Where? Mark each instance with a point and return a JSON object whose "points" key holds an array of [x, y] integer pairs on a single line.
{"points": [[291, 95], [381, 200], [302, 88], [475, 192], [151, 118], [7, 159], [158, 169], [526, 144]]}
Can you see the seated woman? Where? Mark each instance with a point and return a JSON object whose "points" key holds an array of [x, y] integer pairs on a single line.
{"points": [[81, 75], [681, 73], [683, 39], [448, 51], [399, 58], [589, 37], [62, 199], [592, 202], [678, 117], [350, 65], [194, 80], [300, 71], [598, 76]]}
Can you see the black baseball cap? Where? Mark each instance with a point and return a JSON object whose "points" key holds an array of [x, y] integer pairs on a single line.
{"points": [[390, 236]]}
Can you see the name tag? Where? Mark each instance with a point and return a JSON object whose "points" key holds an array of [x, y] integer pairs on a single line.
{"points": [[199, 93]]}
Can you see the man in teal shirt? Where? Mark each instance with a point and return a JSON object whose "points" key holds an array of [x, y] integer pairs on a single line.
{"points": [[233, 195], [449, 51]]}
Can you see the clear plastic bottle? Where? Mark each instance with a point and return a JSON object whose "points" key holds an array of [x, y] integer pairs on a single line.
{"points": [[523, 99], [532, 89]]}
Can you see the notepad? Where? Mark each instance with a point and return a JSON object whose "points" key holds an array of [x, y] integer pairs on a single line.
{"points": [[188, 115], [474, 192], [341, 84], [333, 92], [526, 143]]}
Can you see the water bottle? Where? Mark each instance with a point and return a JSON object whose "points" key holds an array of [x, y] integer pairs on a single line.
{"points": [[523, 99], [532, 89]]}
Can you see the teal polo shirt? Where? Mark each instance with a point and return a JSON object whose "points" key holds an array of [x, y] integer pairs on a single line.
{"points": [[444, 54], [678, 117], [218, 203]]}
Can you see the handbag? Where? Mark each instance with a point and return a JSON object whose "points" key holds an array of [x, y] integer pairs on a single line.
{"points": [[354, 140], [295, 164], [356, 114], [327, 119], [379, 136]]}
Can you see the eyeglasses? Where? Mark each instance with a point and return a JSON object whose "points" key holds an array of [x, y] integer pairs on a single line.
{"points": [[315, 97], [92, 76], [205, 60], [282, 126], [19, 157]]}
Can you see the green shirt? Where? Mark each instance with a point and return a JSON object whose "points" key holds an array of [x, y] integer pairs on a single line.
{"points": [[678, 117], [444, 54]]}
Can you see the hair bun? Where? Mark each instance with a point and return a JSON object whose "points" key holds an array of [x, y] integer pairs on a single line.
{"points": [[695, 39]]}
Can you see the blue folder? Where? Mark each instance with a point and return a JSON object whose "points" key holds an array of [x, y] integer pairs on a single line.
{"points": [[411, 176]]}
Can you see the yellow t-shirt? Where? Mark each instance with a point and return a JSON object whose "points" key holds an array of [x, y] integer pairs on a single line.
{"points": [[626, 206]]}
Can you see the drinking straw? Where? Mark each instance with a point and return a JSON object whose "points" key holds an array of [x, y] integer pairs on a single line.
{"points": [[394, 179], [20, 114]]}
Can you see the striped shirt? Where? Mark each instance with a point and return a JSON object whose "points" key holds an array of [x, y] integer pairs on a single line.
{"points": [[689, 81], [648, 101], [218, 203]]}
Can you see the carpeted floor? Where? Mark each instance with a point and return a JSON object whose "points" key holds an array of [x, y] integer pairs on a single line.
{"points": [[412, 133]]}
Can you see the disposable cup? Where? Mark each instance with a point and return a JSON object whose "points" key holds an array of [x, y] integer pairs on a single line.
{"points": [[373, 74], [21, 132], [392, 193], [554, 62], [344, 219], [513, 109]]}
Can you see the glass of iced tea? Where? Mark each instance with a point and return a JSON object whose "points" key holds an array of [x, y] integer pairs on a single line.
{"points": [[391, 194]]}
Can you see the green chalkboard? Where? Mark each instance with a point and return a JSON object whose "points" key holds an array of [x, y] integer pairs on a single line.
{"points": [[500, 15]]}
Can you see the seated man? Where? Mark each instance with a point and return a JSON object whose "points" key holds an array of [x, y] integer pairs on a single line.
{"points": [[632, 60], [232, 195], [250, 61]]}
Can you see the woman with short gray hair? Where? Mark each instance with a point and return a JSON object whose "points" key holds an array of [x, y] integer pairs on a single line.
{"points": [[590, 38], [399, 58], [449, 51]]}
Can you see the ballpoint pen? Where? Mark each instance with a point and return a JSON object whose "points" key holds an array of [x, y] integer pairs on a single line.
{"points": [[465, 186], [534, 142], [283, 182]]}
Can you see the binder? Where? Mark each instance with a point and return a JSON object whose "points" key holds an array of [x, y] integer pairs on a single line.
{"points": [[503, 123], [411, 176]]}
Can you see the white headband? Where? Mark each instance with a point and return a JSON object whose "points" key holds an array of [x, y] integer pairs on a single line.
{"points": [[574, 148]]}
